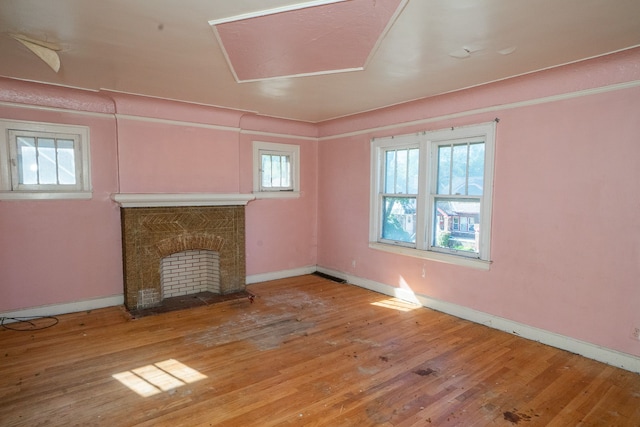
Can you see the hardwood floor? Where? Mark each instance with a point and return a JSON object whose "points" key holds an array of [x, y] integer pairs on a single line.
{"points": [[307, 351]]}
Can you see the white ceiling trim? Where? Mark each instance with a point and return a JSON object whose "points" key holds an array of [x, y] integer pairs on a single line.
{"points": [[384, 32], [273, 11], [278, 135], [175, 122], [223, 48], [491, 109], [290, 76]]}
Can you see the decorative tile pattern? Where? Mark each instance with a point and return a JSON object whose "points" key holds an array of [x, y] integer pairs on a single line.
{"points": [[149, 234]]}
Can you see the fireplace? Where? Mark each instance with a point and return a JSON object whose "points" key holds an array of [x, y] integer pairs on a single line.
{"points": [[151, 233]]}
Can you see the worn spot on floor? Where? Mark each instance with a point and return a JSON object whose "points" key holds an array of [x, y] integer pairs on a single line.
{"points": [[424, 372]]}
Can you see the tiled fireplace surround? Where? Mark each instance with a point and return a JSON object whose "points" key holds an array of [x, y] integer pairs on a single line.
{"points": [[152, 233]]}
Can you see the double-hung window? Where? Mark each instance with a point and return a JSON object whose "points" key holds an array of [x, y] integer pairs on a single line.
{"points": [[431, 194], [44, 161], [276, 170], [398, 197]]}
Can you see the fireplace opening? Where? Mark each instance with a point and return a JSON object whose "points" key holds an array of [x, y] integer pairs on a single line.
{"points": [[190, 272]]}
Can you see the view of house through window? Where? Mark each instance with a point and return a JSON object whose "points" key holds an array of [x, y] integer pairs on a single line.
{"points": [[400, 195], [459, 190], [429, 191]]}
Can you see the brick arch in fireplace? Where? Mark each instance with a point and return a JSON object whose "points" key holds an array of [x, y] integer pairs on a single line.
{"points": [[185, 242]]}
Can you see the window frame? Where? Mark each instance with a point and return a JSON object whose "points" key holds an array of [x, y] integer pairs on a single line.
{"points": [[401, 143], [10, 189], [273, 148], [426, 219]]}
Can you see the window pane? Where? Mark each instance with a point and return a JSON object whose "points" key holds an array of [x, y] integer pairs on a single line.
{"points": [[276, 171], [399, 219], [412, 185], [266, 170], [459, 169], [456, 225], [285, 173], [66, 162], [390, 171], [401, 172], [444, 170], [27, 162], [476, 169], [47, 168]]}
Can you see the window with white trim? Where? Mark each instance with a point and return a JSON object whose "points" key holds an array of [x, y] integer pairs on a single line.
{"points": [[44, 161], [276, 169], [431, 194]]}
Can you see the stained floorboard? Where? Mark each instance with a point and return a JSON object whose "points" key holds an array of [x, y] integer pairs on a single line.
{"points": [[306, 352]]}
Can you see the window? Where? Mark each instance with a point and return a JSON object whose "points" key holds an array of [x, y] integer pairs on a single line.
{"points": [[44, 161], [431, 194], [276, 171], [400, 195]]}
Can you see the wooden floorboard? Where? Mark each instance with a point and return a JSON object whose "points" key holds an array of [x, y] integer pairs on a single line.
{"points": [[306, 352]]}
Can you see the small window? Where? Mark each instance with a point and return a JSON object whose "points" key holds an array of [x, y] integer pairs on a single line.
{"points": [[276, 171], [431, 194], [44, 161]]}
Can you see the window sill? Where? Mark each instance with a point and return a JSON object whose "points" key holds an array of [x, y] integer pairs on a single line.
{"points": [[434, 256], [277, 195], [36, 195]]}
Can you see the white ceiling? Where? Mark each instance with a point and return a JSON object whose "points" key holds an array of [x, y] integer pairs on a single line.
{"points": [[167, 49]]}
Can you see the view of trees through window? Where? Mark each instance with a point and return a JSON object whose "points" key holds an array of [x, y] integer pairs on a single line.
{"points": [[459, 189], [456, 197], [400, 195]]}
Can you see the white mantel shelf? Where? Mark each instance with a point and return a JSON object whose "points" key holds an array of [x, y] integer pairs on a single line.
{"points": [[150, 200]]}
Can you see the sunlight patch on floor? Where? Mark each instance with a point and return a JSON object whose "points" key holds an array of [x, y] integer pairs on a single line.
{"points": [[396, 304], [162, 376]]}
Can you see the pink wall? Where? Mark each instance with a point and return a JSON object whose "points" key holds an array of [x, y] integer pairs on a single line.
{"points": [[565, 243], [169, 158], [56, 252], [172, 147], [281, 234], [565, 236]]}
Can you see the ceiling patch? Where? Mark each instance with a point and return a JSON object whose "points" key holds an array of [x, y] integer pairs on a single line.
{"points": [[309, 40]]}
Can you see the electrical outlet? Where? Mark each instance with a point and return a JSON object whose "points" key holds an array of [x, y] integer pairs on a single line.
{"points": [[636, 333]]}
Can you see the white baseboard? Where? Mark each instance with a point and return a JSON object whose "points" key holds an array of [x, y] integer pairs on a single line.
{"points": [[92, 304], [611, 357], [70, 307], [282, 274], [591, 351]]}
